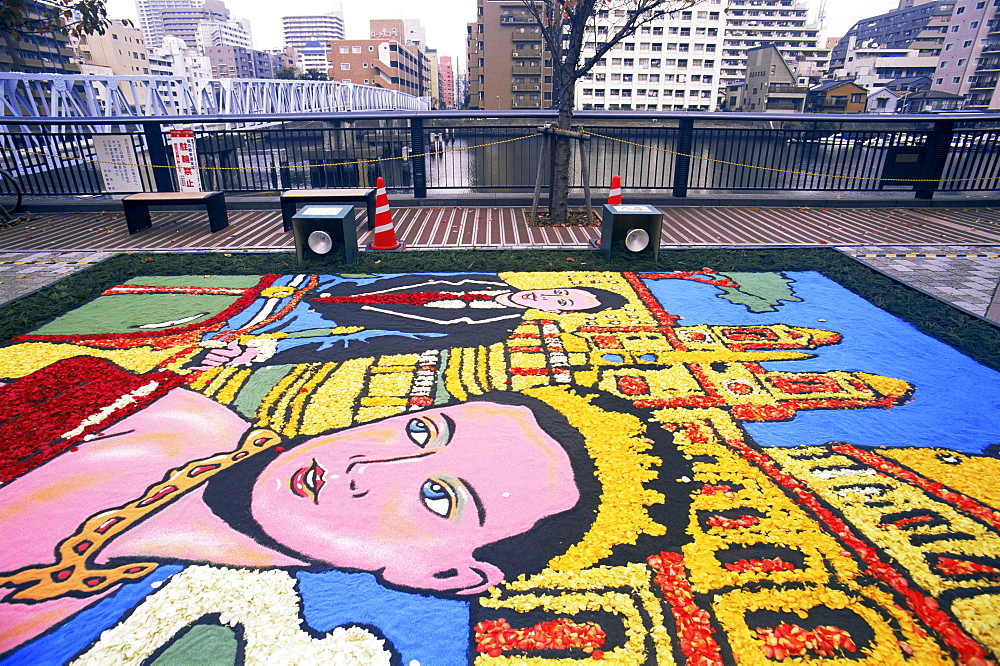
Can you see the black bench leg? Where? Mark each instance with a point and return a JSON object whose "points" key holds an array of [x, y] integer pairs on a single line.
{"points": [[287, 211], [218, 219], [137, 218], [370, 200]]}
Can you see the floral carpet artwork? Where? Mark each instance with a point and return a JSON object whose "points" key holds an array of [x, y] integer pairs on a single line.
{"points": [[674, 467]]}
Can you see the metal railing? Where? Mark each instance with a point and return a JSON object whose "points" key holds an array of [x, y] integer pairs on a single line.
{"points": [[497, 152]]}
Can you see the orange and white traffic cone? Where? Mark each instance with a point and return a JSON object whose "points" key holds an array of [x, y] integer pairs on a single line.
{"points": [[615, 195], [614, 199], [385, 234]]}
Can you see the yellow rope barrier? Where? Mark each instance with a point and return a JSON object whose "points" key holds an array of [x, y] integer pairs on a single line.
{"points": [[800, 173], [380, 159], [531, 136]]}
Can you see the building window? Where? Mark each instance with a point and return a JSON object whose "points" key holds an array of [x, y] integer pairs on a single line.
{"points": [[345, 65], [857, 98], [345, 49], [967, 44]]}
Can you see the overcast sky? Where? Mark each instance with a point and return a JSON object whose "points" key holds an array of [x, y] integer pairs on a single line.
{"points": [[443, 20]]}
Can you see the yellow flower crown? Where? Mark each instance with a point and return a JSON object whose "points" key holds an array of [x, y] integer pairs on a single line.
{"points": [[616, 442]]}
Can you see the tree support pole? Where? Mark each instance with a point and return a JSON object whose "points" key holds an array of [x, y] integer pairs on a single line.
{"points": [[550, 133]]}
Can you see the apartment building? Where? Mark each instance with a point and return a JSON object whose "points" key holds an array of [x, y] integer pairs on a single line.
{"points": [[770, 84], [505, 55], [678, 61], [671, 63], [183, 22], [783, 24], [323, 28], [446, 83], [151, 20], [36, 53], [875, 66], [382, 63], [239, 62], [188, 63], [122, 49], [921, 27], [970, 61]]}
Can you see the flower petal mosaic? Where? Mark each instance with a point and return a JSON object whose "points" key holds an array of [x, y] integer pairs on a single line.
{"points": [[680, 467]]}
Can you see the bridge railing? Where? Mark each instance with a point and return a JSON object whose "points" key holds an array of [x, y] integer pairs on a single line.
{"points": [[106, 96], [498, 152]]}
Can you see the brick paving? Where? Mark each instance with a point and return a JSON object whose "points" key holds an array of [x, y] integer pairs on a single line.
{"points": [[967, 276]]}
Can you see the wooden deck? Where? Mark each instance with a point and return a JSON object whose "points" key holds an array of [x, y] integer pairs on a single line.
{"points": [[506, 228]]}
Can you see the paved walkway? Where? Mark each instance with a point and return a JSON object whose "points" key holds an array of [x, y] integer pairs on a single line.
{"points": [[965, 275]]}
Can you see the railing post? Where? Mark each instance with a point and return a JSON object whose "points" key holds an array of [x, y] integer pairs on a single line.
{"points": [[938, 145], [158, 157], [417, 159], [682, 161]]}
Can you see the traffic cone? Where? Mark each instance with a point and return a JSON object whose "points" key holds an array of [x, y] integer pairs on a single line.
{"points": [[615, 195], [385, 234]]}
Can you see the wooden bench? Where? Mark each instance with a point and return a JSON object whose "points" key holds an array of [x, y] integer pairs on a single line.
{"points": [[290, 198], [137, 207]]}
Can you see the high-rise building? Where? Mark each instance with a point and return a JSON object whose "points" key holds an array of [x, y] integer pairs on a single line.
{"points": [[313, 56], [921, 27], [150, 17], [322, 28], [970, 61], [206, 25], [783, 24], [504, 51], [446, 83], [678, 60]]}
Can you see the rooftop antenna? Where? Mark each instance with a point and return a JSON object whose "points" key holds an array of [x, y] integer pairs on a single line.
{"points": [[821, 17]]}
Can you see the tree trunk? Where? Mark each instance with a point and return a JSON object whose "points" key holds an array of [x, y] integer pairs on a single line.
{"points": [[561, 152]]}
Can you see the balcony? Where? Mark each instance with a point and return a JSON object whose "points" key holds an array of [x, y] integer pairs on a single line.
{"points": [[525, 87], [526, 70]]}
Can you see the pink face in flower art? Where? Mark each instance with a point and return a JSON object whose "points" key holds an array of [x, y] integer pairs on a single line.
{"points": [[551, 300], [411, 497]]}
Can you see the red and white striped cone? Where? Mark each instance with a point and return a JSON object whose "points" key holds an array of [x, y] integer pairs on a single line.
{"points": [[615, 195], [385, 234]]}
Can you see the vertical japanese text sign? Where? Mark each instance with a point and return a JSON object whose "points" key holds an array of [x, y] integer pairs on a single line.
{"points": [[186, 160], [116, 159]]}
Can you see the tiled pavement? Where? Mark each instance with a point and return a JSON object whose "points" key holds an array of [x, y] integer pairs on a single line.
{"points": [[965, 276], [24, 272]]}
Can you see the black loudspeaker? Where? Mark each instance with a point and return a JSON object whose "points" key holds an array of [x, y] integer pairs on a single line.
{"points": [[321, 232], [635, 227]]}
